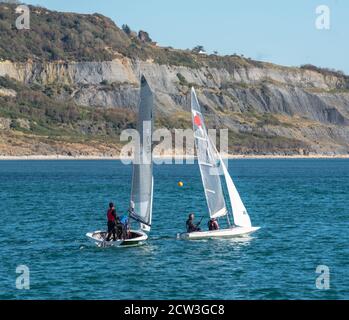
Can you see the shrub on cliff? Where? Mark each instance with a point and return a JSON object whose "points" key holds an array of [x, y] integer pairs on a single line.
{"points": [[325, 71]]}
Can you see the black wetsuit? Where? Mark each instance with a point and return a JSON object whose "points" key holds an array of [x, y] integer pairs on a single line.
{"points": [[191, 227]]}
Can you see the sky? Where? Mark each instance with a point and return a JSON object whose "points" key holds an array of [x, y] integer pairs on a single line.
{"points": [[282, 32]]}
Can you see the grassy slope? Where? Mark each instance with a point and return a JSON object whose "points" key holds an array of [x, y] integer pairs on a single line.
{"points": [[77, 37], [83, 37], [62, 122]]}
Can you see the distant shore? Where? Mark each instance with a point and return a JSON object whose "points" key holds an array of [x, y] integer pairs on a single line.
{"points": [[62, 157]]}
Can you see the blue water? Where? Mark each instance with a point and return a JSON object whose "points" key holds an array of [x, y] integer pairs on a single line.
{"points": [[48, 206]]}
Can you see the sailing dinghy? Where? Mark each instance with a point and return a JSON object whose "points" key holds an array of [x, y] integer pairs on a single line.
{"points": [[141, 203], [210, 161]]}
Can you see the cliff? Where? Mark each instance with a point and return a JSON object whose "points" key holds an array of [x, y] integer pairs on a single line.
{"points": [[269, 109]]}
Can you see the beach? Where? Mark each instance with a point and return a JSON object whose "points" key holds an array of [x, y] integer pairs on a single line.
{"points": [[176, 157]]}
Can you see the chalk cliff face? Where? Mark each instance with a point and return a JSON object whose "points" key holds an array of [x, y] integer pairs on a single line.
{"points": [[311, 107], [268, 108], [273, 89]]}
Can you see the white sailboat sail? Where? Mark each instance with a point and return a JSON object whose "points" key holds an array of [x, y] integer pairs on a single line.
{"points": [[142, 179], [208, 162], [240, 215]]}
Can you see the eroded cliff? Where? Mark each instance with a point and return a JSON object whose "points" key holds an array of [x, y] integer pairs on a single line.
{"points": [[269, 109]]}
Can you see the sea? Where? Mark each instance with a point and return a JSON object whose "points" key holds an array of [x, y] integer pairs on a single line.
{"points": [[300, 252]]}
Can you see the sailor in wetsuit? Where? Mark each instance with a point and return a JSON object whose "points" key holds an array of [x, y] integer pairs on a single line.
{"points": [[191, 227], [112, 219], [213, 224]]}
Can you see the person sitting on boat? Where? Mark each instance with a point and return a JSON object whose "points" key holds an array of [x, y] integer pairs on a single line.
{"points": [[119, 228], [191, 227], [112, 218], [213, 224], [124, 223]]}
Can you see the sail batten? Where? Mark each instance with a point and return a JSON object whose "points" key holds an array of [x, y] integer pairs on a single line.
{"points": [[199, 138], [142, 178], [207, 160], [205, 164]]}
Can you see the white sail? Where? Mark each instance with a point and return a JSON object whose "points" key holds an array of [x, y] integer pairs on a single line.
{"points": [[146, 227], [142, 179], [208, 162], [240, 215]]}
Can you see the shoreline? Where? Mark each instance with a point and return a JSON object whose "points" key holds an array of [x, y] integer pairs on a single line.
{"points": [[176, 157]]}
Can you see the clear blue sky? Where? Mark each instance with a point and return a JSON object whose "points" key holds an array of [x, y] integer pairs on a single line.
{"points": [[279, 31]]}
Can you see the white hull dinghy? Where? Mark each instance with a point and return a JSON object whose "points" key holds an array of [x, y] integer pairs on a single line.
{"points": [[222, 233], [136, 238], [141, 204], [211, 164]]}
